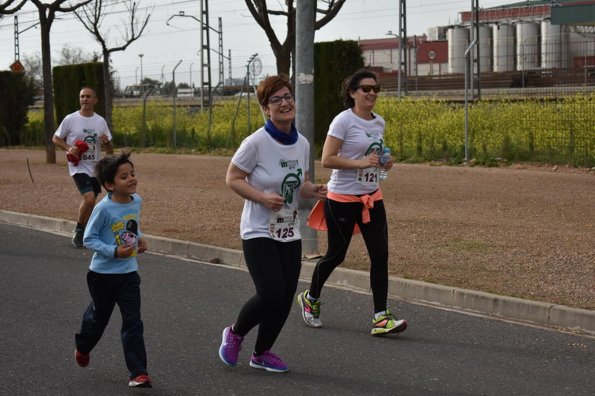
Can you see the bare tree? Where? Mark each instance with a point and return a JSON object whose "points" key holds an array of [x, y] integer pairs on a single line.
{"points": [[92, 17], [284, 52], [32, 63], [5, 8], [68, 56], [47, 14]]}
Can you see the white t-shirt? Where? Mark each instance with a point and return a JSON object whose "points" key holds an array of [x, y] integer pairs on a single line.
{"points": [[360, 138], [88, 129], [272, 167]]}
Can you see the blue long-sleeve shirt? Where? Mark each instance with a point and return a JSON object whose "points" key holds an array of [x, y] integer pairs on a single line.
{"points": [[112, 224]]}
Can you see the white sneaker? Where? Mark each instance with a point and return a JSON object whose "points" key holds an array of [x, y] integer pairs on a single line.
{"points": [[310, 310]]}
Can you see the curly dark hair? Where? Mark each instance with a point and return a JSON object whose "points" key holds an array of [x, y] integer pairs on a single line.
{"points": [[352, 82], [107, 167]]}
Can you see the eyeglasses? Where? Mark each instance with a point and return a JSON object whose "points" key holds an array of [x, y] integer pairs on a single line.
{"points": [[276, 100], [367, 88]]}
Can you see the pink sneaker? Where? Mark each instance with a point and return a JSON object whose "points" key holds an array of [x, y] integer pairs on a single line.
{"points": [[268, 361], [230, 347]]}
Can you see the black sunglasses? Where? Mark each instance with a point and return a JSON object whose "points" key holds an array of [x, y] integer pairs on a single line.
{"points": [[367, 88]]}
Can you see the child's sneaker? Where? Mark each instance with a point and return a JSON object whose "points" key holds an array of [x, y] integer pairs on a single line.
{"points": [[230, 347], [310, 310], [140, 381], [82, 359], [268, 361], [388, 323]]}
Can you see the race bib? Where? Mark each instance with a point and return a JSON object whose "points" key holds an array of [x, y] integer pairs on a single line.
{"points": [[282, 224], [368, 176]]}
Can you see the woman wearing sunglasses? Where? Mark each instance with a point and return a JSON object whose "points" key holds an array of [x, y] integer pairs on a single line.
{"points": [[269, 171], [354, 201]]}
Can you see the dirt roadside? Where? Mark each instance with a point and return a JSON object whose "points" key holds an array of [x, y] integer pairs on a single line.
{"points": [[523, 231]]}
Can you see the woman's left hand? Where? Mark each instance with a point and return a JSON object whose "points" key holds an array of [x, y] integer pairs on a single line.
{"points": [[389, 165], [319, 191]]}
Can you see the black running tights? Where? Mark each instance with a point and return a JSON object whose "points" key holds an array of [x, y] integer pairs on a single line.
{"points": [[341, 217], [275, 270]]}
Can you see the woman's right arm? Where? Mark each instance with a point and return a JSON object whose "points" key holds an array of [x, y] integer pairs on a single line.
{"points": [[236, 180], [331, 159]]}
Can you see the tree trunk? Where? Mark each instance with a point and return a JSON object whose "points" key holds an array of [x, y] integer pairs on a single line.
{"points": [[48, 94], [107, 87], [283, 59]]}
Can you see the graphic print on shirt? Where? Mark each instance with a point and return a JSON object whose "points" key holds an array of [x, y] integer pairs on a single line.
{"points": [[370, 175], [126, 235], [91, 140], [282, 223]]}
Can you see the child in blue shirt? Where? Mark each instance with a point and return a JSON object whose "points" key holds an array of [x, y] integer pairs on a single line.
{"points": [[114, 235]]}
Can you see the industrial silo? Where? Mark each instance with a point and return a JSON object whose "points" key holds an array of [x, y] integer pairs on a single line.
{"points": [[458, 39], [485, 47], [527, 46], [503, 50], [554, 46], [581, 49]]}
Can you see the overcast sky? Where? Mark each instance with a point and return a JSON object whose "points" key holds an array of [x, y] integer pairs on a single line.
{"points": [[164, 46]]}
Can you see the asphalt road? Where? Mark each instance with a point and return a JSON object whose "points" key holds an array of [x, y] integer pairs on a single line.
{"points": [[186, 304]]}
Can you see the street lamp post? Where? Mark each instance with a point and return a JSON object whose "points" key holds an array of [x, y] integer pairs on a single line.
{"points": [[141, 67], [390, 33]]}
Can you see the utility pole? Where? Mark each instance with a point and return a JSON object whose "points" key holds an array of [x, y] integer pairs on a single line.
{"points": [[304, 92], [16, 38], [141, 88], [205, 50], [476, 67], [173, 78], [229, 59], [221, 56], [403, 41]]}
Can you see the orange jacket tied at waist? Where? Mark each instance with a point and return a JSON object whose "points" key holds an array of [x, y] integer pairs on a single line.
{"points": [[317, 221]]}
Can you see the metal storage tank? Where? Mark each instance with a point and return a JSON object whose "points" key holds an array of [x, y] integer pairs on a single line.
{"points": [[458, 39], [581, 48], [503, 47], [554, 46], [485, 47], [527, 46]]}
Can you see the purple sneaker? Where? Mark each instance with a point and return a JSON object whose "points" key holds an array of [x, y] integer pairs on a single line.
{"points": [[230, 347], [268, 361]]}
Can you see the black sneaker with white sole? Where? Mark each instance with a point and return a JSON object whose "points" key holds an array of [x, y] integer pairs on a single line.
{"points": [[77, 238]]}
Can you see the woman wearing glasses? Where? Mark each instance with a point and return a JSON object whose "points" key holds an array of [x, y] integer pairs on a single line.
{"points": [[269, 171], [354, 202]]}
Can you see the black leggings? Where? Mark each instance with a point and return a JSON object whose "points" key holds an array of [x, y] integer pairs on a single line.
{"points": [[341, 217], [275, 270]]}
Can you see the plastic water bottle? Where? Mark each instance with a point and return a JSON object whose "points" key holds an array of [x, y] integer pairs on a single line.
{"points": [[384, 158]]}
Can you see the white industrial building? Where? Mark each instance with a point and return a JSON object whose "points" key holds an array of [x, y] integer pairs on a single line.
{"points": [[524, 36]]}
